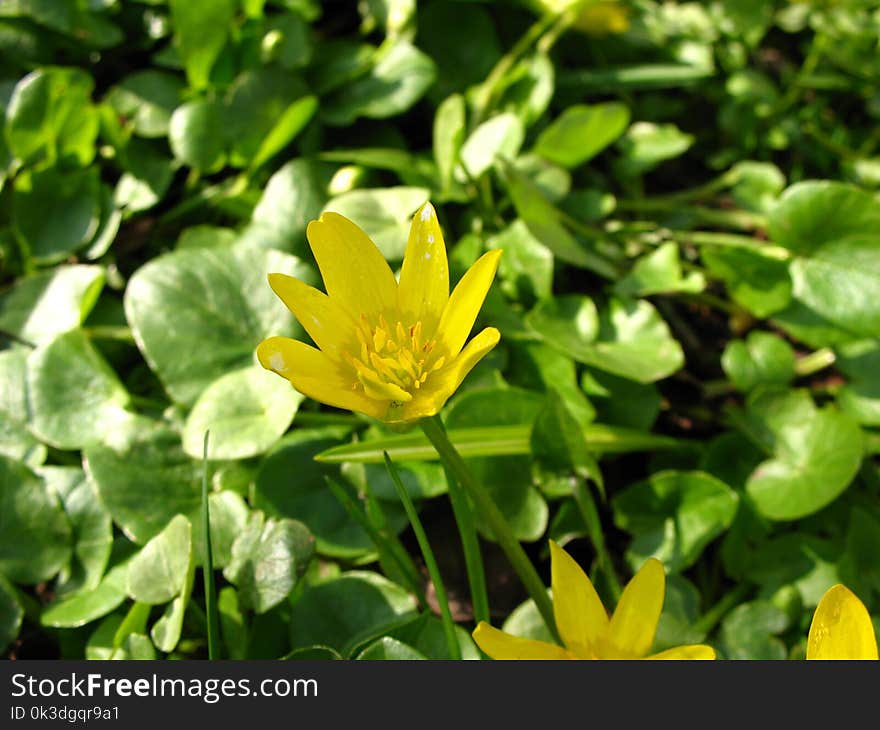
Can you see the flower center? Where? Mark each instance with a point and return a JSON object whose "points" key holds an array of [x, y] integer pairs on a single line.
{"points": [[392, 362]]}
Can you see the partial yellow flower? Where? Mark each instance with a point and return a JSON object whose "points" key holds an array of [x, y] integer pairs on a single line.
{"points": [[841, 627], [583, 624], [392, 351]]}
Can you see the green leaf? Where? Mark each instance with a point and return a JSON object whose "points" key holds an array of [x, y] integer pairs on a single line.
{"points": [[16, 440], [502, 136], [91, 525], [289, 125], [681, 610], [294, 195], [152, 464], [526, 90], [750, 632], [197, 136], [559, 447], [762, 359], [348, 610], [673, 515], [246, 412], [40, 306], [159, 571], [221, 308], [385, 214], [757, 185], [165, 633], [581, 132], [11, 614], [50, 117], [544, 221], [860, 397], [258, 112], [56, 213], [147, 176], [200, 30], [147, 99], [815, 453], [397, 79], [35, 534], [291, 484], [387, 648], [570, 323], [507, 480], [449, 129], [85, 606], [76, 398], [645, 145], [268, 558], [633, 341], [755, 279], [659, 272], [537, 366], [832, 230], [621, 402]]}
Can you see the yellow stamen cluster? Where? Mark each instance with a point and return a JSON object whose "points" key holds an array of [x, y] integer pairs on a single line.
{"points": [[392, 362]]}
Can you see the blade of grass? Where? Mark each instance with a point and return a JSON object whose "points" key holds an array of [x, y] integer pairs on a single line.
{"points": [[430, 560], [470, 545], [587, 507], [493, 441], [208, 567], [391, 551]]}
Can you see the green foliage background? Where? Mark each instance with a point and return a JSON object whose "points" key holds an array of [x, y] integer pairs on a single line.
{"points": [[689, 301]]}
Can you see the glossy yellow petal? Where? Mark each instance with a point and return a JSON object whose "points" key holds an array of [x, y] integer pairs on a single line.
{"points": [[635, 619], [314, 374], [691, 651], [355, 273], [581, 618], [500, 645], [424, 278], [325, 321], [444, 382], [465, 302], [841, 628]]}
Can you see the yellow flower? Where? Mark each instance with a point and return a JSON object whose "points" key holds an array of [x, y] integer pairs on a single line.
{"points": [[841, 628], [583, 624], [392, 351]]}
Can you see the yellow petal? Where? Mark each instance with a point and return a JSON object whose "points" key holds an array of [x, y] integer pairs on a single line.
{"points": [[441, 384], [691, 651], [465, 302], [324, 320], [355, 273], [500, 645], [635, 619], [424, 278], [580, 616], [841, 628], [315, 375]]}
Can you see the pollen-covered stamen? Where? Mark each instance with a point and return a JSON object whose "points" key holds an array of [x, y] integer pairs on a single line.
{"points": [[392, 361]]}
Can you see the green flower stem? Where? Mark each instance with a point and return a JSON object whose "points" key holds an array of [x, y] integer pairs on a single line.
{"points": [[544, 32], [732, 240], [814, 362], [587, 507], [488, 510], [737, 219], [208, 568], [430, 560]]}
